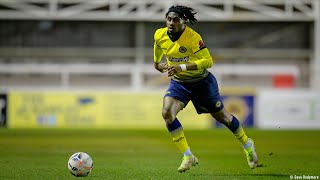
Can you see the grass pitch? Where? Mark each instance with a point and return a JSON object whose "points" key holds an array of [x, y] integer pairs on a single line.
{"points": [[150, 154]]}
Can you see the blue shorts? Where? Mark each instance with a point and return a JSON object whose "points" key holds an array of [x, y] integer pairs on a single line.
{"points": [[204, 94]]}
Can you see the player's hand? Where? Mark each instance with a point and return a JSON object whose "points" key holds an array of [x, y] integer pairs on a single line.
{"points": [[172, 70], [163, 67]]}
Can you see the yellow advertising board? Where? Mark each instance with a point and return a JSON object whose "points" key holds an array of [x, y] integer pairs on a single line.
{"points": [[67, 109]]}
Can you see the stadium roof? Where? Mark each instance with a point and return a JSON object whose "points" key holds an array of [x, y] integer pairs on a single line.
{"points": [[152, 10]]}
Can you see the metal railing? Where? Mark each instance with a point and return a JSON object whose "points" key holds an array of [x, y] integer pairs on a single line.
{"points": [[153, 10]]}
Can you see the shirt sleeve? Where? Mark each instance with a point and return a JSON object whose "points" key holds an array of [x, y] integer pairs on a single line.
{"points": [[204, 59], [157, 51], [201, 52]]}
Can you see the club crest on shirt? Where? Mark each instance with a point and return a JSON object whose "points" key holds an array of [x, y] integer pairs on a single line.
{"points": [[183, 49]]}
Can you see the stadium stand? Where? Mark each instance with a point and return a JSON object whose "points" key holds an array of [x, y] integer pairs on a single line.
{"points": [[87, 44]]}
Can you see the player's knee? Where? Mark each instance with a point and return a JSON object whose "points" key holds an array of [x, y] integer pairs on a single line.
{"points": [[223, 117], [167, 116]]}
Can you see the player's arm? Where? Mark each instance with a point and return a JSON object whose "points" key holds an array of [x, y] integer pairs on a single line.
{"points": [[157, 56], [204, 59], [181, 67], [161, 67], [204, 62]]}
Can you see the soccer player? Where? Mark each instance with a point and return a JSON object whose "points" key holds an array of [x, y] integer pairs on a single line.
{"points": [[187, 62]]}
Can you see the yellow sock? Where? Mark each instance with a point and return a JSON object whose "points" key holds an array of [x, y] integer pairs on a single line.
{"points": [[180, 140], [241, 135]]}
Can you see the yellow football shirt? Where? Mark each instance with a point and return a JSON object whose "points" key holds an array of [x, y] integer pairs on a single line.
{"points": [[188, 48]]}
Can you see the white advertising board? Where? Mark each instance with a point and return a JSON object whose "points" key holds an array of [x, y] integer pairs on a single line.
{"points": [[288, 109]]}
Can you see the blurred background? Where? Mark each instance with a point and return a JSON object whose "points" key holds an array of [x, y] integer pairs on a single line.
{"points": [[76, 63]]}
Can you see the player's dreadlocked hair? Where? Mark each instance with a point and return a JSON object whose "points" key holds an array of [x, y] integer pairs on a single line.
{"points": [[184, 12]]}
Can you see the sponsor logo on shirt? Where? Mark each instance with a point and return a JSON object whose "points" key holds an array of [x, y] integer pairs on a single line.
{"points": [[184, 59]]}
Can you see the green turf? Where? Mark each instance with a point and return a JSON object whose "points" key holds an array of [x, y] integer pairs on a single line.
{"points": [[150, 154]]}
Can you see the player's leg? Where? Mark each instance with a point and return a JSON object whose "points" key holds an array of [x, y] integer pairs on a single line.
{"points": [[170, 109], [235, 127], [206, 99], [231, 122]]}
